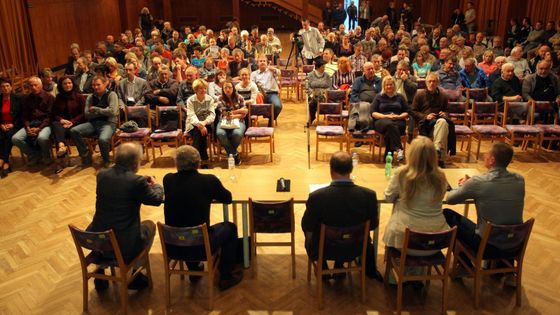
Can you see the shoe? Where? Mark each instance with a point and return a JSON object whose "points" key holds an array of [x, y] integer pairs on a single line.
{"points": [[100, 284], [510, 280], [376, 275], [33, 161], [47, 162], [441, 164], [418, 285], [86, 161], [62, 150], [195, 279], [237, 159], [139, 283], [358, 144], [3, 173], [228, 283], [400, 155]]}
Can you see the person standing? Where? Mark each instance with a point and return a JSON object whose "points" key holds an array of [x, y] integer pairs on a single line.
{"points": [[470, 17], [352, 12], [364, 15], [313, 42]]}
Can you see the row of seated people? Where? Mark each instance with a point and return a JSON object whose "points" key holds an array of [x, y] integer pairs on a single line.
{"points": [[72, 115], [417, 209], [388, 99]]}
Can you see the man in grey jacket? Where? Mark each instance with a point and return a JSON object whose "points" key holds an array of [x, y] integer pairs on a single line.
{"points": [[131, 91], [542, 85]]}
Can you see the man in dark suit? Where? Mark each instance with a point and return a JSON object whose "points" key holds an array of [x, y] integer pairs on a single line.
{"points": [[120, 192], [342, 203], [188, 195]]}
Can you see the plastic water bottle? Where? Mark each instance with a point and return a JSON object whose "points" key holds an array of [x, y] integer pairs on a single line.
{"points": [[355, 161], [230, 162], [389, 165], [231, 167]]}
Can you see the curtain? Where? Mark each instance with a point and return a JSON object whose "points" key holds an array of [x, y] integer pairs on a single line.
{"points": [[17, 55], [543, 10]]}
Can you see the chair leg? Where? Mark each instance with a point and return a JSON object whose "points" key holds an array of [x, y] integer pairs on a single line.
{"points": [[478, 147], [399, 295], [317, 149], [477, 288], [293, 257], [167, 286], [444, 296], [124, 292], [469, 142], [85, 293], [308, 269], [148, 270], [363, 281], [210, 289], [319, 281]]}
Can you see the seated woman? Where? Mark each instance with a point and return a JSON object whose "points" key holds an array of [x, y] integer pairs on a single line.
{"points": [[223, 62], [231, 107], [212, 50], [197, 59], [421, 66], [346, 49], [180, 66], [68, 111], [390, 110], [417, 189], [215, 87], [487, 64], [247, 88], [249, 52], [10, 123], [317, 83], [114, 74], [48, 84], [344, 76], [200, 118]]}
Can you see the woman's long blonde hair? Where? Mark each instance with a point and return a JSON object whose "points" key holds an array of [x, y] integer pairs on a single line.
{"points": [[422, 171]]}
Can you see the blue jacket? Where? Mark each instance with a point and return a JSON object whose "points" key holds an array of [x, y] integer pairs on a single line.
{"points": [[482, 80]]}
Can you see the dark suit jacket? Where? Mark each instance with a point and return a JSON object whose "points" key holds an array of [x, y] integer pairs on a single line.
{"points": [[120, 193], [188, 195], [340, 204]]}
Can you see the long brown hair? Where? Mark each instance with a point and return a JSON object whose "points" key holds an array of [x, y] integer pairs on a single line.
{"points": [[422, 171]]}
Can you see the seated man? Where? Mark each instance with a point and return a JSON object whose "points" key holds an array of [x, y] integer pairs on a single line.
{"points": [[188, 195], [341, 204], [36, 115], [101, 113], [429, 109], [498, 195], [449, 78], [542, 85], [366, 87], [473, 77], [507, 87], [83, 76], [163, 90], [131, 90], [120, 193]]}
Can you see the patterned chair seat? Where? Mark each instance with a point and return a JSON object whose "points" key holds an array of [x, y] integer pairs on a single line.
{"points": [[523, 129], [462, 130], [259, 132], [549, 129], [165, 135], [330, 130], [489, 130], [140, 133], [456, 115], [469, 112]]}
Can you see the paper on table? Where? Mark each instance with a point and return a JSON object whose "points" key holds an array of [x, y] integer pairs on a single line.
{"points": [[313, 187]]}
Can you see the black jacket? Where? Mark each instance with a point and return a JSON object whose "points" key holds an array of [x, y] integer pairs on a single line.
{"points": [[15, 110]]}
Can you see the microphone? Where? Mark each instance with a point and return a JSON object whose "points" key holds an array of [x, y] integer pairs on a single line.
{"points": [[282, 184]]}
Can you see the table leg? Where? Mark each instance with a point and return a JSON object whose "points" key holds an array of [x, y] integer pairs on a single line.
{"points": [[226, 212], [245, 235]]}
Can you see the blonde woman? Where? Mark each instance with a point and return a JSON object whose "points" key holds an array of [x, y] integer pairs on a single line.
{"points": [[200, 118], [390, 110], [344, 76], [487, 64], [417, 189]]}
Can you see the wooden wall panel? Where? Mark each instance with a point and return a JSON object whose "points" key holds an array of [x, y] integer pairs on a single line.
{"points": [[56, 24]]}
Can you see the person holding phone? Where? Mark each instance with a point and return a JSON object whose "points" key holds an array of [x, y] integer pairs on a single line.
{"points": [[266, 76]]}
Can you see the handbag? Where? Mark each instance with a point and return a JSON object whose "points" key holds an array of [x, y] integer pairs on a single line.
{"points": [[229, 123]]}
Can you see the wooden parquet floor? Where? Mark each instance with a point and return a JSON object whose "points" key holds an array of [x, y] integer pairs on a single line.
{"points": [[40, 270]]}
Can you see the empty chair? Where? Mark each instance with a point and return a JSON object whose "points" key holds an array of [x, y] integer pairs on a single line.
{"points": [[499, 243], [397, 261], [517, 122], [458, 114], [106, 243], [484, 118], [196, 241], [288, 81], [329, 125], [477, 95], [546, 119], [272, 218], [257, 134], [343, 244]]}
